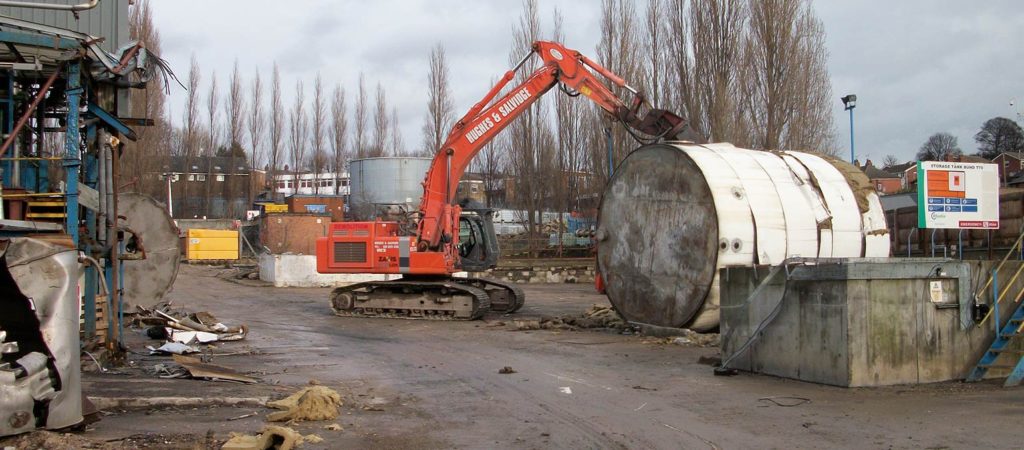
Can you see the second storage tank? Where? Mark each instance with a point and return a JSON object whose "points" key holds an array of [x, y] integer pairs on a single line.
{"points": [[386, 182], [674, 214]]}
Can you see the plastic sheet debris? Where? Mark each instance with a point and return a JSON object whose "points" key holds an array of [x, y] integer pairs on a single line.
{"points": [[172, 348], [192, 337]]}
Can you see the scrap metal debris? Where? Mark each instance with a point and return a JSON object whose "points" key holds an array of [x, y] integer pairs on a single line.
{"points": [[187, 328], [310, 403], [199, 369]]}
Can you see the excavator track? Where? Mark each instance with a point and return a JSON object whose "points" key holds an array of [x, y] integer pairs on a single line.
{"points": [[445, 299], [505, 298]]}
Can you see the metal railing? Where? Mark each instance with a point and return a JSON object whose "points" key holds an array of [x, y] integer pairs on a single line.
{"points": [[993, 281]]}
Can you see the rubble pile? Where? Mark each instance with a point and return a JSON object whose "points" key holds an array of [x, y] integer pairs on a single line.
{"points": [[687, 338], [597, 316], [183, 331]]}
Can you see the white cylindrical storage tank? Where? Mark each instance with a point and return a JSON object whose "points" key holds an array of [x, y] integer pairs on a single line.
{"points": [[387, 181], [673, 214]]}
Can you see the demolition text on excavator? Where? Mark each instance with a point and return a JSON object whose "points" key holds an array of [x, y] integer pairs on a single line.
{"points": [[504, 111]]}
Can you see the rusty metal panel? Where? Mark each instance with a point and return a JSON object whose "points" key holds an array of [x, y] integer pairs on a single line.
{"points": [[335, 205], [293, 233], [108, 20]]}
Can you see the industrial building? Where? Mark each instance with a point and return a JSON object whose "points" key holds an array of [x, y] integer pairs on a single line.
{"points": [[706, 295]]}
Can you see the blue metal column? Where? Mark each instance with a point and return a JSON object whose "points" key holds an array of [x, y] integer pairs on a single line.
{"points": [[852, 154], [72, 153], [91, 274]]}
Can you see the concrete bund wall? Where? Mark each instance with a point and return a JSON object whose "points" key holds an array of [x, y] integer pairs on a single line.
{"points": [[296, 270], [530, 274], [300, 271], [860, 321]]}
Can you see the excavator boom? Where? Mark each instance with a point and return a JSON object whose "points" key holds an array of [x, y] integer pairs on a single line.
{"points": [[449, 238]]}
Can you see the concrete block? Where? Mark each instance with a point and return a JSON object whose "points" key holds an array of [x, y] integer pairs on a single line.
{"points": [[860, 322], [300, 271]]}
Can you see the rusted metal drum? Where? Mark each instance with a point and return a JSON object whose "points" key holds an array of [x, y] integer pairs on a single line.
{"points": [[146, 281], [674, 214]]}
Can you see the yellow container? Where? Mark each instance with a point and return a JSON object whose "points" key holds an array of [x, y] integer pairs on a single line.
{"points": [[271, 208], [212, 244]]}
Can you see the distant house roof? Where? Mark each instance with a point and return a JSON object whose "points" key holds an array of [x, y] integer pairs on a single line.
{"points": [[974, 159], [897, 201], [875, 173], [1016, 156], [204, 164], [900, 168]]}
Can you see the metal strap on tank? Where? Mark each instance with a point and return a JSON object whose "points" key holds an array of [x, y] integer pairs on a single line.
{"points": [[403, 254]]}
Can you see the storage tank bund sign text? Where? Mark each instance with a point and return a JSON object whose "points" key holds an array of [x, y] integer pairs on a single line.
{"points": [[957, 195]]}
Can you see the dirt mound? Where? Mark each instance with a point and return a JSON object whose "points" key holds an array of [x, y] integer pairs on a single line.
{"points": [[310, 403]]}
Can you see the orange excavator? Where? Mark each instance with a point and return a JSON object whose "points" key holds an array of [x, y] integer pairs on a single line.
{"points": [[429, 245]]}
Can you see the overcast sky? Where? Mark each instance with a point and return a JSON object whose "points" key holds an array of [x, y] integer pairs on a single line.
{"points": [[917, 67]]}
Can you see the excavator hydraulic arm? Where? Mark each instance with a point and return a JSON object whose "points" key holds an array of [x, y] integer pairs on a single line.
{"points": [[489, 116]]}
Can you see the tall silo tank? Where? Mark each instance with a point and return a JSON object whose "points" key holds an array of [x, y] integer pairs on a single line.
{"points": [[388, 181], [672, 215]]}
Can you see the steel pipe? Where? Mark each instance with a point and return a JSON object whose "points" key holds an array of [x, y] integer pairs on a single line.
{"points": [[58, 7]]}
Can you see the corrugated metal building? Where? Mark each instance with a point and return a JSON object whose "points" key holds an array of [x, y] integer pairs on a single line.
{"points": [[109, 19]]}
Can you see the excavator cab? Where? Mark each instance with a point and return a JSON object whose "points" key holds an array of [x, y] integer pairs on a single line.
{"points": [[478, 244]]}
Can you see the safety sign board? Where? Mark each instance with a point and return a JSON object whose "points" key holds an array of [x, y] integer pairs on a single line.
{"points": [[957, 195]]}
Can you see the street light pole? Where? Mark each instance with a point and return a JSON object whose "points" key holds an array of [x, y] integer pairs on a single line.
{"points": [[850, 102]]}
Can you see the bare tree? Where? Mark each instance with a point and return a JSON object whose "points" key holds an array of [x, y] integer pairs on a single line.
{"points": [[939, 147], [380, 124], [619, 50], [716, 31], [528, 140], [191, 139], [655, 33], [236, 128], [489, 164], [277, 124], [787, 78], [360, 121], [570, 137], [339, 131], [144, 157], [213, 130], [682, 96], [319, 117], [396, 143], [890, 161], [439, 102], [297, 132], [256, 124]]}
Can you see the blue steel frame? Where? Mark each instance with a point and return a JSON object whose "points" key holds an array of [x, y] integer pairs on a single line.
{"points": [[72, 150]]}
